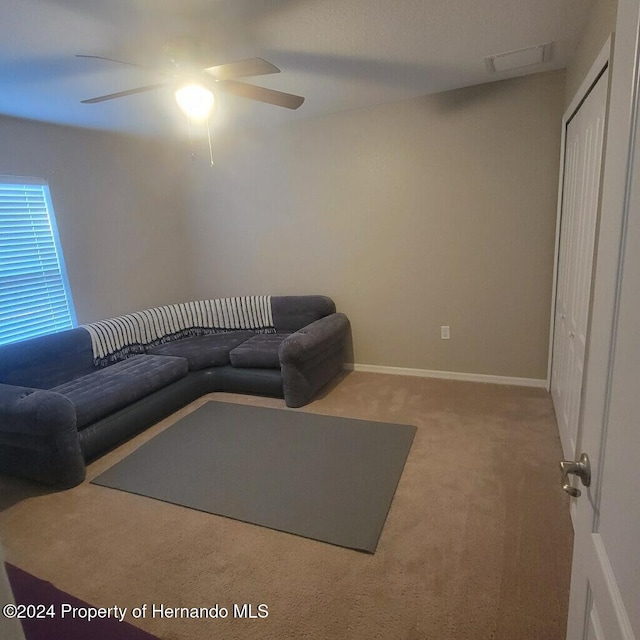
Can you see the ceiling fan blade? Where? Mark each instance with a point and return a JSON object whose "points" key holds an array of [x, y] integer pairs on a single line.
{"points": [[159, 72], [253, 92], [122, 94], [131, 64], [242, 68]]}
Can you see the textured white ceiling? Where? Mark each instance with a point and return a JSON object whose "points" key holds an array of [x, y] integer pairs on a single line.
{"points": [[339, 54]]}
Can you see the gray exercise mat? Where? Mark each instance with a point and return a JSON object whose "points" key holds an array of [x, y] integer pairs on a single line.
{"points": [[322, 477]]}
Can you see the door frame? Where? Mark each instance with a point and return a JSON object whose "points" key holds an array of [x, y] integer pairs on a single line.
{"points": [[597, 69]]}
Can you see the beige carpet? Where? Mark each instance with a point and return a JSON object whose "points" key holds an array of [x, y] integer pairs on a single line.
{"points": [[477, 543]]}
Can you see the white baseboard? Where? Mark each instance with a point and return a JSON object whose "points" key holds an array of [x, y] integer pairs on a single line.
{"points": [[448, 375]]}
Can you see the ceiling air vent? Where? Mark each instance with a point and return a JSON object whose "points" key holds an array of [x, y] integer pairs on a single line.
{"points": [[519, 58]]}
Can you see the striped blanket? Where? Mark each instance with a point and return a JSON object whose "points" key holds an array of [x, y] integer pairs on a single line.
{"points": [[121, 337]]}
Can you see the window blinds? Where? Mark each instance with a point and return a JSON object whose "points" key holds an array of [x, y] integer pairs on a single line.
{"points": [[34, 294]]}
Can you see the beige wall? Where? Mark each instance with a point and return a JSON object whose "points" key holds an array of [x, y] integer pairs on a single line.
{"points": [[427, 212], [600, 24], [432, 211], [119, 204]]}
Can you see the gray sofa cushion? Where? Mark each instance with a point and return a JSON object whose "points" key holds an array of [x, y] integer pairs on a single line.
{"points": [[107, 390], [204, 351], [261, 351]]}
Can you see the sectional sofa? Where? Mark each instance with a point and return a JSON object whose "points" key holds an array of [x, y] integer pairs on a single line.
{"points": [[68, 397]]}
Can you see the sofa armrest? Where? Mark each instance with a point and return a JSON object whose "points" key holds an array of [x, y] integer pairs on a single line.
{"points": [[35, 412], [38, 436], [312, 357], [314, 339]]}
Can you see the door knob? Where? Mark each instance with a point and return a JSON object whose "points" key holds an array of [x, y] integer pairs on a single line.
{"points": [[581, 468]]}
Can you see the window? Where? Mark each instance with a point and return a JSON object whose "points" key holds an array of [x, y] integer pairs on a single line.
{"points": [[34, 292]]}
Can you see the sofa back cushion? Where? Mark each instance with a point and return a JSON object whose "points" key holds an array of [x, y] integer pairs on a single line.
{"points": [[118, 338], [47, 361], [291, 313]]}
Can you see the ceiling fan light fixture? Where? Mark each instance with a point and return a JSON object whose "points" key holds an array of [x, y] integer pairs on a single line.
{"points": [[195, 100]]}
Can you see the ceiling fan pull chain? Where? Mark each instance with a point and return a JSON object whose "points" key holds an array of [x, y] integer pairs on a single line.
{"points": [[193, 155], [210, 149]]}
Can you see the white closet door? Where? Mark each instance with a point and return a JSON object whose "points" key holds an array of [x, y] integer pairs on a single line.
{"points": [[581, 191]]}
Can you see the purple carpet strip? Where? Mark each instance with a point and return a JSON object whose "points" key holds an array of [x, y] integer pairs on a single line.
{"points": [[29, 590]]}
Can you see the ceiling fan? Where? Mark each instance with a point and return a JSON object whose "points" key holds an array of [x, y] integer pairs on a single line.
{"points": [[193, 84]]}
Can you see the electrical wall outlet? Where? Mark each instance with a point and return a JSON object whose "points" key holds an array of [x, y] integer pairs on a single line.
{"points": [[445, 333]]}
